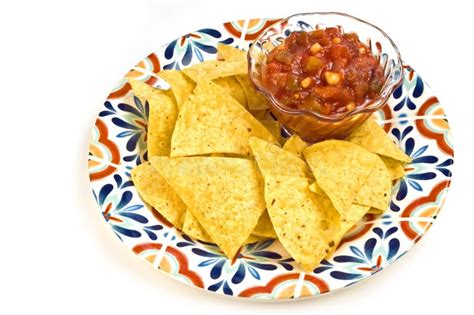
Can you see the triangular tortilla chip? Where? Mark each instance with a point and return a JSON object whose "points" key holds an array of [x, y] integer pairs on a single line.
{"points": [[264, 227], [156, 192], [305, 228], [224, 194], [213, 69], [340, 168], [162, 117], [394, 167], [255, 100], [273, 160], [372, 137], [181, 85], [375, 192], [233, 88], [211, 121], [295, 145], [226, 52]]}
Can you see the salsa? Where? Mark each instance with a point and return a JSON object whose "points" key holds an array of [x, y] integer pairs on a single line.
{"points": [[324, 71]]}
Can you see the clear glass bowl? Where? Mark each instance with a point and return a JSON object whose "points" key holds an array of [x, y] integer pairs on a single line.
{"points": [[313, 126]]}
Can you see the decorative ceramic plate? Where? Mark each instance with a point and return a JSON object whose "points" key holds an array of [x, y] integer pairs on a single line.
{"points": [[413, 118]]}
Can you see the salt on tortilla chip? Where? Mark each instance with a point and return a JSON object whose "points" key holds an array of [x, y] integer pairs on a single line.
{"points": [[306, 229], [273, 160], [340, 168], [233, 88], [156, 192], [226, 52], [181, 85], [255, 100], [213, 69], [211, 121], [193, 228], [224, 194], [295, 145], [273, 126], [375, 192], [372, 137], [162, 117], [394, 167], [264, 227]]}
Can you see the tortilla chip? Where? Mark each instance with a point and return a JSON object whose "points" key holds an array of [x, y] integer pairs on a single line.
{"points": [[211, 121], [375, 211], [213, 69], [314, 187], [273, 160], [226, 52], [375, 192], [233, 88], [273, 126], [355, 213], [304, 227], [181, 85], [162, 117], [255, 100], [394, 167], [224, 194], [340, 168], [261, 114], [295, 145], [193, 228], [264, 227], [156, 192], [372, 137]]}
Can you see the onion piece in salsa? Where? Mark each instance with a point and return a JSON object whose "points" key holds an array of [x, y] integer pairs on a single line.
{"points": [[325, 71]]}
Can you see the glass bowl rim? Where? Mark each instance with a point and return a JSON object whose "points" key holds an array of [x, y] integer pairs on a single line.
{"points": [[371, 106]]}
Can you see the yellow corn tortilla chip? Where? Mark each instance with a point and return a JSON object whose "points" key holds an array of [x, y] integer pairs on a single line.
{"points": [[372, 137], [264, 227], [162, 117], [233, 88], [224, 194], [261, 114], [306, 229], [156, 192], [181, 85], [295, 145], [273, 160], [211, 121], [375, 192], [273, 126], [394, 167], [375, 211], [226, 52], [193, 228], [314, 187], [255, 100], [340, 168], [213, 69]]}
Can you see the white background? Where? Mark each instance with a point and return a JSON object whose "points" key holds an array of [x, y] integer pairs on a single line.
{"points": [[58, 61]]}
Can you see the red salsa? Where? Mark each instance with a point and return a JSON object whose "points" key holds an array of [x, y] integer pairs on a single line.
{"points": [[324, 71]]}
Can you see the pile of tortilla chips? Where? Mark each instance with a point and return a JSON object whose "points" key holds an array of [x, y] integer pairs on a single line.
{"points": [[217, 170]]}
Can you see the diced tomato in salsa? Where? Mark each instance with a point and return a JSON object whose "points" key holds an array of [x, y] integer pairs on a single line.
{"points": [[323, 70]]}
